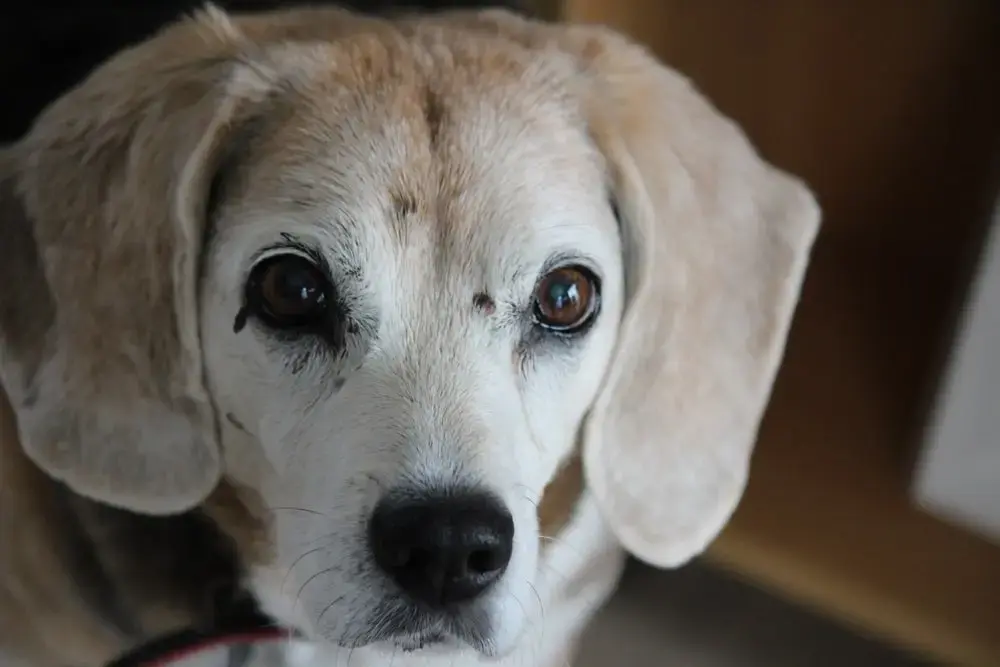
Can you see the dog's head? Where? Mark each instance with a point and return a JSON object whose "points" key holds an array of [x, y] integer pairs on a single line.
{"points": [[388, 279]]}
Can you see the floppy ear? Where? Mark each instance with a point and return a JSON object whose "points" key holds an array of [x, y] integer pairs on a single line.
{"points": [[716, 246], [103, 209]]}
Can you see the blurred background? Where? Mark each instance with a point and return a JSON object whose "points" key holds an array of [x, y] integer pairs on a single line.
{"points": [[870, 533]]}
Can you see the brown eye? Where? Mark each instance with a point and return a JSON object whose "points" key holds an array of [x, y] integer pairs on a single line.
{"points": [[288, 291], [566, 299]]}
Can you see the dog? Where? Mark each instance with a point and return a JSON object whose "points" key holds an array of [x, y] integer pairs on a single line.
{"points": [[411, 328]]}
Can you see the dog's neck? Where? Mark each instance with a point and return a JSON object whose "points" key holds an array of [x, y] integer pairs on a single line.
{"points": [[148, 575], [81, 582]]}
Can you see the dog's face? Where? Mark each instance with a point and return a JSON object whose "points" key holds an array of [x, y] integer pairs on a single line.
{"points": [[387, 279], [406, 312]]}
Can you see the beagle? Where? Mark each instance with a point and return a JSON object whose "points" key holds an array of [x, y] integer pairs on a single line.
{"points": [[416, 325]]}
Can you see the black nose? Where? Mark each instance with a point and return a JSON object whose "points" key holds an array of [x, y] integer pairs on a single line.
{"points": [[445, 549]]}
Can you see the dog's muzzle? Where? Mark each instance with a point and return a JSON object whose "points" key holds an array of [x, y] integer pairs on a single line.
{"points": [[443, 552]]}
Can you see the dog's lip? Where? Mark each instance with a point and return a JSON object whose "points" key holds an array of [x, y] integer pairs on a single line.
{"points": [[398, 626], [424, 641], [416, 640], [433, 639]]}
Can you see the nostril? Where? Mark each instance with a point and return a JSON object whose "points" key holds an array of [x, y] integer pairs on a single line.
{"points": [[484, 561]]}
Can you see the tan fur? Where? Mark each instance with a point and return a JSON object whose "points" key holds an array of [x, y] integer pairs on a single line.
{"points": [[107, 379], [560, 498], [240, 513], [35, 589]]}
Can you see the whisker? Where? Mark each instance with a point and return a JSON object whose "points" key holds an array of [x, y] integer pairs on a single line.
{"points": [[288, 573], [524, 612], [297, 509], [538, 597], [306, 583], [555, 541], [327, 608], [534, 499], [561, 575]]}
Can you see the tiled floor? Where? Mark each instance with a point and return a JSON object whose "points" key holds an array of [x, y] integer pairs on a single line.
{"points": [[697, 617]]}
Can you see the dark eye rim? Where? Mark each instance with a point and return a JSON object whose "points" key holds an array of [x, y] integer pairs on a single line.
{"points": [[256, 305], [583, 324]]}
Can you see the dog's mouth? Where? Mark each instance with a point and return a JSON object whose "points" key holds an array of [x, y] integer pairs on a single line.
{"points": [[426, 640], [400, 627]]}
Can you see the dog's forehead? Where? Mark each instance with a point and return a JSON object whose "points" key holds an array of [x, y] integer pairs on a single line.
{"points": [[454, 143]]}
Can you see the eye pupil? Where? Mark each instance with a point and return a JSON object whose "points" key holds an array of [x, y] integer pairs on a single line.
{"points": [[288, 291], [292, 287], [564, 295], [566, 299]]}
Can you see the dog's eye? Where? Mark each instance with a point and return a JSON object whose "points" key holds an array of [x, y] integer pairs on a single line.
{"points": [[288, 291], [566, 299]]}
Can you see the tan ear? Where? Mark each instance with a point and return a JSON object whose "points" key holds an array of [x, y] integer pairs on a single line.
{"points": [[103, 209], [716, 246]]}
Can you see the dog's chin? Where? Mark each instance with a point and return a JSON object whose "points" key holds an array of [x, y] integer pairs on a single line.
{"points": [[428, 637], [431, 640], [429, 643]]}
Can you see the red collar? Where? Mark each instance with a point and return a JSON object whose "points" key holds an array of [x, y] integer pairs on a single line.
{"points": [[231, 645]]}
